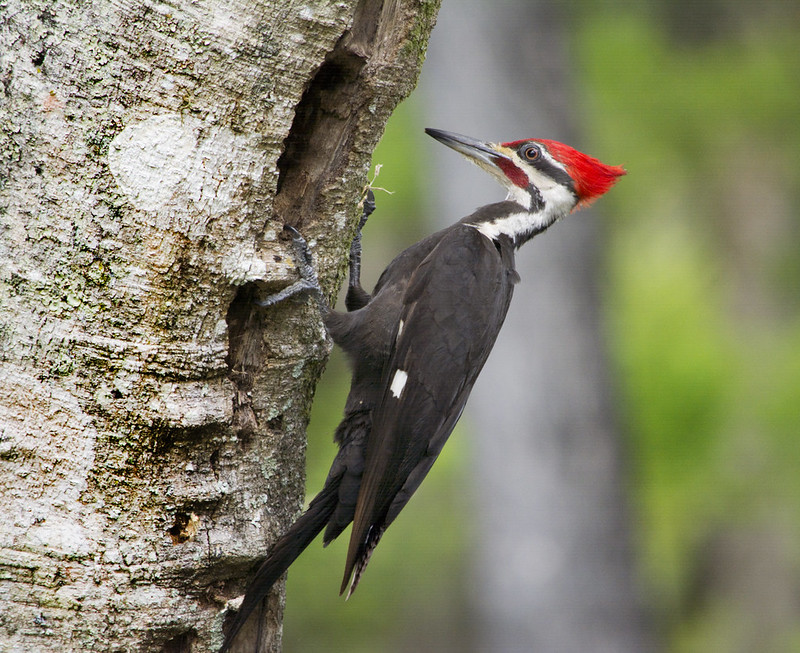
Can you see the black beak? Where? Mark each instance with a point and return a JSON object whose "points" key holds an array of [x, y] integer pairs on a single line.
{"points": [[478, 151]]}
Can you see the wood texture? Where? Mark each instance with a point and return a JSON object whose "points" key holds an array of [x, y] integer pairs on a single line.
{"points": [[151, 418]]}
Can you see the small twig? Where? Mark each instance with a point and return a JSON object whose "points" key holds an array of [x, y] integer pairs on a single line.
{"points": [[370, 185]]}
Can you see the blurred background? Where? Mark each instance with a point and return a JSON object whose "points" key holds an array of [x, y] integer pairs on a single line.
{"points": [[627, 474]]}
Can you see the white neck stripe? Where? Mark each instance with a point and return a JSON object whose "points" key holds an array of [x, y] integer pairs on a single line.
{"points": [[520, 226], [514, 225]]}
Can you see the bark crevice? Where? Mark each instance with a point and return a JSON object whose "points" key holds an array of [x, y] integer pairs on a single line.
{"points": [[316, 147], [245, 356], [325, 119], [153, 428]]}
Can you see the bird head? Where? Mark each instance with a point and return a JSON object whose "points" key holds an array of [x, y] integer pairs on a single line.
{"points": [[539, 174]]}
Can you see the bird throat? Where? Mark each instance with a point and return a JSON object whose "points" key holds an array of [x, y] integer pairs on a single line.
{"points": [[518, 224]]}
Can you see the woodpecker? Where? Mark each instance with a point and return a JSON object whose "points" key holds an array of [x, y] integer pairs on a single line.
{"points": [[418, 343]]}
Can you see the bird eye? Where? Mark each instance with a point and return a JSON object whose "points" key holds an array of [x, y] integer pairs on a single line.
{"points": [[531, 152]]}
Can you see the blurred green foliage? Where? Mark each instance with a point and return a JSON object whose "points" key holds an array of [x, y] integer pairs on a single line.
{"points": [[703, 321], [704, 316]]}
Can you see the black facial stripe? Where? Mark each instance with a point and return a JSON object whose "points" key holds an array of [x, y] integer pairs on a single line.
{"points": [[537, 202], [554, 172], [543, 164]]}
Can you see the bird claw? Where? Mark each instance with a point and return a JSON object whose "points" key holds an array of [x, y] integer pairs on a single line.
{"points": [[304, 262], [308, 277], [301, 248], [368, 205]]}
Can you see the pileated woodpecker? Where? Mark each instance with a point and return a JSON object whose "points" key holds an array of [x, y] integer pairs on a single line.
{"points": [[418, 343]]}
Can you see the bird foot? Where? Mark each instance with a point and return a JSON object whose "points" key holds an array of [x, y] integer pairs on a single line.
{"points": [[308, 277], [368, 206]]}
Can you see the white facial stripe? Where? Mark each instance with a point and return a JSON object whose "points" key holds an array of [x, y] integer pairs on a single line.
{"points": [[519, 195], [551, 160], [398, 383], [545, 184], [558, 201]]}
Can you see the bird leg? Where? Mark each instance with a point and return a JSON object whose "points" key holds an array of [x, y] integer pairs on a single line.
{"points": [[308, 277], [357, 297]]}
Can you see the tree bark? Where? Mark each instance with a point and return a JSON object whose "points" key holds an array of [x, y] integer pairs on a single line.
{"points": [[151, 416], [555, 569]]}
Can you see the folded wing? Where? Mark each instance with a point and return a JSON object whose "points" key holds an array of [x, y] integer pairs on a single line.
{"points": [[442, 341]]}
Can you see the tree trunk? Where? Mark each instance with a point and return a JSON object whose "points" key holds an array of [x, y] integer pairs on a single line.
{"points": [[151, 416], [554, 566]]}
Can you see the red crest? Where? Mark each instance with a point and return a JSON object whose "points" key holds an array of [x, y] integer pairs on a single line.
{"points": [[592, 177]]}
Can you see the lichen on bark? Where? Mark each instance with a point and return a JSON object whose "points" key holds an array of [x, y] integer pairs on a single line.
{"points": [[152, 418]]}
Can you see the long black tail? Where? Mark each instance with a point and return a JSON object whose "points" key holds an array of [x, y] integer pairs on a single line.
{"points": [[283, 553]]}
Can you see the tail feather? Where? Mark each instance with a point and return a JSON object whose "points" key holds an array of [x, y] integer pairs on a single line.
{"points": [[282, 554], [360, 560]]}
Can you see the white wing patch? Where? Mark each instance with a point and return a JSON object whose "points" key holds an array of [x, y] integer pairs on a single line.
{"points": [[398, 383], [400, 328]]}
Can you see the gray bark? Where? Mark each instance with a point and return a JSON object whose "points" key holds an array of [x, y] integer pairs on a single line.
{"points": [[554, 568], [151, 417]]}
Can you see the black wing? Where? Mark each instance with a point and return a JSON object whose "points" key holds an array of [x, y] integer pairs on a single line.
{"points": [[453, 309]]}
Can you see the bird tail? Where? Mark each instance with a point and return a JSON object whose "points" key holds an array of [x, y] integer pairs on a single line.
{"points": [[282, 554], [357, 563]]}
